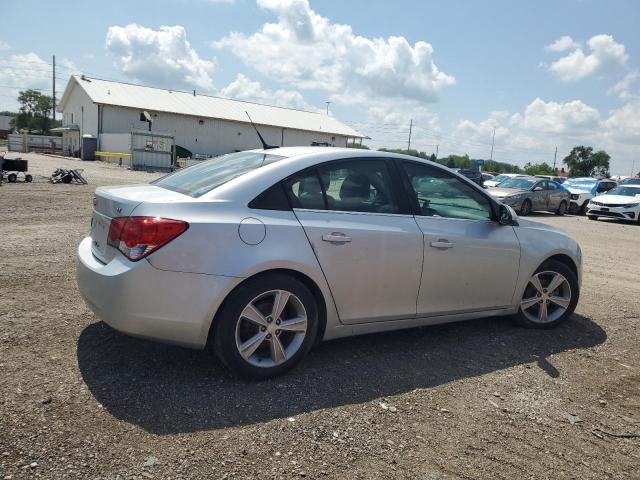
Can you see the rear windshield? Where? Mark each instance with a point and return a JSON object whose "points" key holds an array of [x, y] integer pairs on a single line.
{"points": [[204, 177]]}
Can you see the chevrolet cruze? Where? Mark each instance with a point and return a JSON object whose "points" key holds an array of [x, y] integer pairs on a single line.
{"points": [[258, 255]]}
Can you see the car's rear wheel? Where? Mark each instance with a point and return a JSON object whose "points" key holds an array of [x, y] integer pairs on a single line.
{"points": [[265, 326], [550, 297], [562, 208], [525, 209], [12, 177]]}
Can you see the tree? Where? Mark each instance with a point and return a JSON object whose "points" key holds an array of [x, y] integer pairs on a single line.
{"points": [[538, 169], [584, 162], [35, 109]]}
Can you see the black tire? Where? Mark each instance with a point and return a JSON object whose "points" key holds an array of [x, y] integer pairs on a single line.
{"points": [[28, 178], [12, 177], [592, 217], [583, 208], [223, 331], [555, 267], [562, 208], [525, 208]]}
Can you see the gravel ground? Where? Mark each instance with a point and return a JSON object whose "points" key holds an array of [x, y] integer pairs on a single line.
{"points": [[480, 399]]}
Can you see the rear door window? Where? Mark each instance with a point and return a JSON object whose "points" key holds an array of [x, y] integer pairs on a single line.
{"points": [[359, 186]]}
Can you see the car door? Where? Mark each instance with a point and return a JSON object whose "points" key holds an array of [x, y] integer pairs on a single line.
{"points": [[540, 196], [471, 262], [366, 241], [555, 196]]}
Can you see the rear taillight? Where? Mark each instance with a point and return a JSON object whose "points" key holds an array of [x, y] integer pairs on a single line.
{"points": [[137, 237]]}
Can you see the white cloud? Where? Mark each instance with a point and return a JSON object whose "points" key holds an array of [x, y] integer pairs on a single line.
{"points": [[308, 51], [604, 51], [562, 44], [622, 89], [559, 118], [161, 57], [242, 88], [25, 70], [623, 124], [4, 46]]}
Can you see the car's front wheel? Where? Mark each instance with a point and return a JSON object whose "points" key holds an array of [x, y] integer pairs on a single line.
{"points": [[265, 326], [526, 208], [550, 297], [562, 208]]}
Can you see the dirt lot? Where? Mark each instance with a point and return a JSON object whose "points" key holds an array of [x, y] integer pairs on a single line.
{"points": [[480, 399]]}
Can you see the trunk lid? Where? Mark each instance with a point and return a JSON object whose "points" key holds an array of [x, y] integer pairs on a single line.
{"points": [[111, 202]]}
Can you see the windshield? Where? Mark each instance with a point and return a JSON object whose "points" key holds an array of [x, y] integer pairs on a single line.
{"points": [[204, 177], [630, 181], [585, 184], [522, 183], [626, 191], [499, 178]]}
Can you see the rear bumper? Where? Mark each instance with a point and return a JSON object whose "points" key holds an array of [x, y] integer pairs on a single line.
{"points": [[141, 300]]}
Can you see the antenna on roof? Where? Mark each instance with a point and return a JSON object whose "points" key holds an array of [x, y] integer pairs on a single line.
{"points": [[265, 145]]}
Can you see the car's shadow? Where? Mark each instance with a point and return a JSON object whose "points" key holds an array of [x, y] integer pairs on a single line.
{"points": [[166, 389]]}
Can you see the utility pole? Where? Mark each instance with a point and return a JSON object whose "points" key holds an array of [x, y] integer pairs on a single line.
{"points": [[54, 88], [555, 155], [410, 128], [328, 103], [437, 147], [633, 167], [493, 140]]}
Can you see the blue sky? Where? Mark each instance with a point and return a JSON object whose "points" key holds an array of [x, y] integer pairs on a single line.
{"points": [[457, 68]]}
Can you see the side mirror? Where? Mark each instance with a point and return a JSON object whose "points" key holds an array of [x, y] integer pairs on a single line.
{"points": [[507, 215]]}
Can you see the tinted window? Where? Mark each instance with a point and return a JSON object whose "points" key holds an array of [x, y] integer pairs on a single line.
{"points": [[273, 198], [204, 177], [359, 186], [626, 191], [552, 186], [305, 191], [440, 194]]}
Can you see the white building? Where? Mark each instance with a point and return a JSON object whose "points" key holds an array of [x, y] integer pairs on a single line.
{"points": [[202, 124]]}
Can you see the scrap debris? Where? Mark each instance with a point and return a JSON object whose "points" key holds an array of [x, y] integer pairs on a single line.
{"points": [[62, 175]]}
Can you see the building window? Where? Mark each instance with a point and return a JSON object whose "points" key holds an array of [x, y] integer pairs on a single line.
{"points": [[200, 122]]}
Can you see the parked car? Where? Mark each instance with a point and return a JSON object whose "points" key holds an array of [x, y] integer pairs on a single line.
{"points": [[630, 181], [528, 194], [555, 178], [487, 176], [257, 255], [501, 178], [583, 189], [622, 202], [472, 174]]}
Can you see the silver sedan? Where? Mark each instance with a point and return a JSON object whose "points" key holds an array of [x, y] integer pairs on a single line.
{"points": [[259, 255], [528, 194]]}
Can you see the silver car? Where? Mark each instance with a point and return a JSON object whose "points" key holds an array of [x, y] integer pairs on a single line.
{"points": [[528, 194], [259, 255]]}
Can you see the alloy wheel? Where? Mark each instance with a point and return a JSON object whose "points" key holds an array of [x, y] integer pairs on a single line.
{"points": [[271, 328], [546, 298]]}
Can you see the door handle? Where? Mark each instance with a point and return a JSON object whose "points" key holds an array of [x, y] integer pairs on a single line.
{"points": [[442, 244], [336, 237]]}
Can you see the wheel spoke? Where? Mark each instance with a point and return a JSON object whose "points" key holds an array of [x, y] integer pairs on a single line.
{"points": [[560, 301], [280, 301], [555, 282], [297, 324], [535, 281], [277, 352], [250, 346], [528, 302], [253, 314], [543, 314]]}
